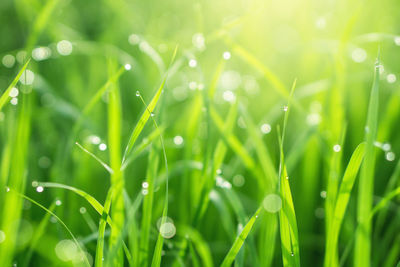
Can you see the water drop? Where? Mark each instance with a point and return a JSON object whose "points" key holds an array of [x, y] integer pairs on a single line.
{"points": [[14, 101], [336, 148], [198, 41], [82, 210], [313, 119], [39, 189], [272, 203], [323, 194], [238, 180], [27, 77], [265, 128], [21, 56], [192, 85], [14, 92], [145, 192], [167, 230], [66, 250], [359, 55], [397, 40], [386, 146], [134, 39], [35, 183], [41, 53], [137, 93], [229, 96], [390, 156], [152, 114], [127, 66], [8, 61], [7, 189], [226, 55], [64, 47], [44, 162], [102, 146], [192, 63], [391, 78], [145, 185], [58, 202], [178, 140], [285, 108], [292, 254]]}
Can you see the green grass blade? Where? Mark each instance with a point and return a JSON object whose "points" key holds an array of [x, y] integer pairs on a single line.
{"points": [[366, 182], [40, 23], [6, 95], [148, 207], [90, 199], [230, 257], [146, 114], [12, 204], [287, 216], [384, 201], [343, 197], [199, 244], [59, 220], [156, 262], [108, 168], [102, 228], [117, 177], [39, 231]]}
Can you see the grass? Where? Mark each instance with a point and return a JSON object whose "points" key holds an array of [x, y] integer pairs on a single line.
{"points": [[119, 149]]}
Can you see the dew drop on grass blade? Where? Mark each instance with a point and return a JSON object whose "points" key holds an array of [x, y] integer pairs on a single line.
{"points": [[6, 95]]}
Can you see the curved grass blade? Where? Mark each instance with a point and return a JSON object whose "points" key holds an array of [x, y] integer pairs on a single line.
{"points": [[59, 220], [90, 199], [156, 262], [366, 181], [146, 115], [141, 147], [230, 257], [38, 233], [6, 95], [103, 211], [384, 201], [343, 197], [108, 168], [199, 244]]}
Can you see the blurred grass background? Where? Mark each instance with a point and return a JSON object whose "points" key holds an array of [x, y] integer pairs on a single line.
{"points": [[236, 61]]}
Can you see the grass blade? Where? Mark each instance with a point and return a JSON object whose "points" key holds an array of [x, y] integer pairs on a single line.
{"points": [[366, 182], [60, 221], [230, 257], [108, 168], [146, 114], [6, 95], [287, 216], [90, 199], [343, 197], [117, 177]]}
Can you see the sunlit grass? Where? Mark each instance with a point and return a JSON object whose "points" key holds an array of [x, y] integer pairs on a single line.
{"points": [[138, 133]]}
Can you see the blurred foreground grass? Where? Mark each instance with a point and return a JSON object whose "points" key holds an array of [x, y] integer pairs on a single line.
{"points": [[138, 133]]}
